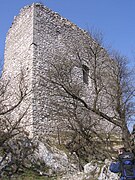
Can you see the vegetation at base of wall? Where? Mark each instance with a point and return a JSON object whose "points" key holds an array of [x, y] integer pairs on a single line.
{"points": [[81, 151], [29, 175]]}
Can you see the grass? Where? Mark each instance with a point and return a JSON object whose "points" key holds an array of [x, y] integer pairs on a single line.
{"points": [[29, 175]]}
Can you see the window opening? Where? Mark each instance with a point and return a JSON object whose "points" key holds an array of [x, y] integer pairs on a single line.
{"points": [[85, 74]]}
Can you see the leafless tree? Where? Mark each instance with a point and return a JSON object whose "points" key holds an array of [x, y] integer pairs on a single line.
{"points": [[103, 98], [14, 106], [10, 103]]}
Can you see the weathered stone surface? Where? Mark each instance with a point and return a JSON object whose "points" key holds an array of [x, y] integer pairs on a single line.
{"points": [[46, 159], [55, 159], [37, 36], [106, 173], [94, 171], [91, 168]]}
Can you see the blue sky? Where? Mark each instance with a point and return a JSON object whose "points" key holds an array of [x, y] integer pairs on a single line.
{"points": [[114, 18]]}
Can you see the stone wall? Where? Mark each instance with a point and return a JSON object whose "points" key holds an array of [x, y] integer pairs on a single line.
{"points": [[18, 62], [37, 36], [53, 36]]}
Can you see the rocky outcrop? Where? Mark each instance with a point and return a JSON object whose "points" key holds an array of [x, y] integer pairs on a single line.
{"points": [[55, 159], [94, 171], [48, 160]]}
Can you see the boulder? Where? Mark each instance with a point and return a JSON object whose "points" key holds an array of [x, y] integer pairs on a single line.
{"points": [[91, 168], [54, 158]]}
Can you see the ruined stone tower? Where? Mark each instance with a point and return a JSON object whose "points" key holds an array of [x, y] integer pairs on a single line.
{"points": [[35, 38]]}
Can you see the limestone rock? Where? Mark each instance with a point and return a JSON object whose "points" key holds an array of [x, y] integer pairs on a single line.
{"points": [[106, 174], [91, 168], [93, 171], [55, 159]]}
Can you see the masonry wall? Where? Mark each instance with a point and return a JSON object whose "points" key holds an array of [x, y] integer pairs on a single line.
{"points": [[53, 36], [37, 36], [18, 63]]}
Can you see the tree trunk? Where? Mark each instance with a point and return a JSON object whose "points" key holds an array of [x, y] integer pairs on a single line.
{"points": [[126, 137]]}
